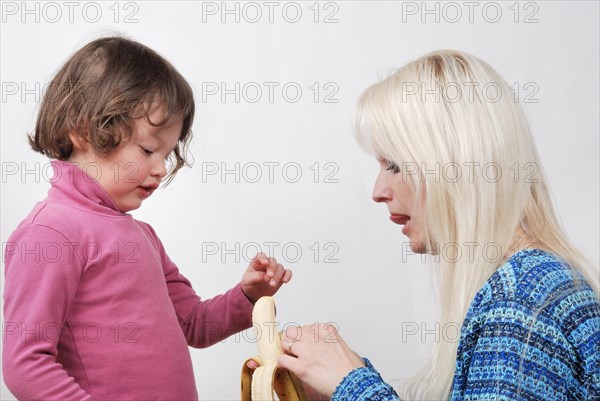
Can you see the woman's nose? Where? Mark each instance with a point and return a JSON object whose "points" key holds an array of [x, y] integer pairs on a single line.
{"points": [[381, 191]]}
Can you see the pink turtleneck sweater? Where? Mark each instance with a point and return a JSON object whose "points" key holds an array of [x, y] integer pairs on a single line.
{"points": [[94, 308]]}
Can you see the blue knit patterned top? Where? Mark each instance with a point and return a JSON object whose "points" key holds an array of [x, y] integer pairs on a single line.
{"points": [[529, 334]]}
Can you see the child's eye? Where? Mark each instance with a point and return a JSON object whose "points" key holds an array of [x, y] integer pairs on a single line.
{"points": [[393, 167], [147, 152]]}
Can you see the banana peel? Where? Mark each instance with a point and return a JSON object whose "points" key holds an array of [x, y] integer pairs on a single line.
{"points": [[262, 383]]}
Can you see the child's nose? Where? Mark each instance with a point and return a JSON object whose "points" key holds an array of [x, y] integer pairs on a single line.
{"points": [[159, 169]]}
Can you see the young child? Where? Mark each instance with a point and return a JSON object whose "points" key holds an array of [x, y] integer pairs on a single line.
{"points": [[94, 308]]}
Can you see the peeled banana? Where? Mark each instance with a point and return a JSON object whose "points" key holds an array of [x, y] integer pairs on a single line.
{"points": [[259, 384]]}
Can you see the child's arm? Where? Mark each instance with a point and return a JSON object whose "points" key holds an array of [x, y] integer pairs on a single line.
{"points": [[40, 283], [215, 319], [204, 322]]}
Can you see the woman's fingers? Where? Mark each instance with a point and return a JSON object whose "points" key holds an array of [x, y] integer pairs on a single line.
{"points": [[292, 364]]}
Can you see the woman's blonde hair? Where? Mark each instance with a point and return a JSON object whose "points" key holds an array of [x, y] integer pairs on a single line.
{"points": [[451, 126]]}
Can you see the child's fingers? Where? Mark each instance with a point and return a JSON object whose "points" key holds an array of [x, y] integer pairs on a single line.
{"points": [[272, 267], [276, 274], [254, 277], [268, 270], [260, 259], [287, 276], [260, 262]]}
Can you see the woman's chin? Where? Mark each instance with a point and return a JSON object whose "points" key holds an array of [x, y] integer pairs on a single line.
{"points": [[418, 246]]}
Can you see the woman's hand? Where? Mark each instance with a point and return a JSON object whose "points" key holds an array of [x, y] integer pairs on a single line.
{"points": [[318, 356], [311, 394], [263, 277]]}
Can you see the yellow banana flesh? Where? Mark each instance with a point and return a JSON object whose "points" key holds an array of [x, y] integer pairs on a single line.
{"points": [[261, 383]]}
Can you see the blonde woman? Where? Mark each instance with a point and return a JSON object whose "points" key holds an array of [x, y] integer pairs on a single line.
{"points": [[526, 299]]}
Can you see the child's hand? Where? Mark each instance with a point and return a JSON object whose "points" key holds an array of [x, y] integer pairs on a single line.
{"points": [[263, 277]]}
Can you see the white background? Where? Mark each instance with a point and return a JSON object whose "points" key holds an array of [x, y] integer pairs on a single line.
{"points": [[368, 290]]}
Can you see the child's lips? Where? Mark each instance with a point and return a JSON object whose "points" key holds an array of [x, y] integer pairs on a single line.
{"points": [[144, 192], [147, 190]]}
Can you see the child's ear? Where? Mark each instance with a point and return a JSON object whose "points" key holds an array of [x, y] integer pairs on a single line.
{"points": [[78, 141]]}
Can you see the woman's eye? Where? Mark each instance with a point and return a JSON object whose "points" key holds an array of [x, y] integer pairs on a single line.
{"points": [[393, 167]]}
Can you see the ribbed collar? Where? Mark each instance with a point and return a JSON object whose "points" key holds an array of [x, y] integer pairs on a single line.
{"points": [[78, 187]]}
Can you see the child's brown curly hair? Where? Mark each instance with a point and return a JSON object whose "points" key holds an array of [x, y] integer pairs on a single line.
{"points": [[101, 89]]}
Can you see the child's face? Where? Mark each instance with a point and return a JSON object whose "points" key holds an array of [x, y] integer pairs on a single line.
{"points": [[131, 172]]}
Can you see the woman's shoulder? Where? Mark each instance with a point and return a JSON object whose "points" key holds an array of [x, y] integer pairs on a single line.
{"points": [[535, 282], [536, 277], [534, 310]]}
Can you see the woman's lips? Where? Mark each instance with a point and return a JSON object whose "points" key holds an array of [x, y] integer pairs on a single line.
{"points": [[401, 219]]}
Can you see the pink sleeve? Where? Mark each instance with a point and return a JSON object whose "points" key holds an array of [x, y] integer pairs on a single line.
{"points": [[204, 322], [41, 278]]}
